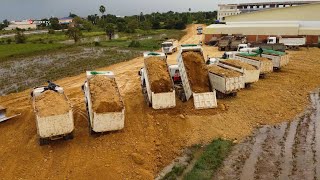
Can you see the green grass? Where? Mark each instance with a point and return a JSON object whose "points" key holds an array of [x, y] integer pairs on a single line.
{"points": [[210, 160], [10, 50], [176, 172]]}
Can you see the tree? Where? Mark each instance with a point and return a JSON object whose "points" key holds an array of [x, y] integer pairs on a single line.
{"points": [[146, 25], [110, 30], [133, 24], [122, 26], [72, 15], [6, 22], [54, 24], [74, 33], [20, 38], [102, 9]]}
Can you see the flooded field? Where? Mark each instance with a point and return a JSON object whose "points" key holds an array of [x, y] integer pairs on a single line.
{"points": [[289, 150]]}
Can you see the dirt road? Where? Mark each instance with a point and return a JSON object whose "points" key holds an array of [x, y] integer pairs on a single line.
{"points": [[289, 150], [150, 139]]}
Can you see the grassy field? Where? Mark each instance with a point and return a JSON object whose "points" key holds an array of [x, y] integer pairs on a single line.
{"points": [[10, 50], [210, 160]]}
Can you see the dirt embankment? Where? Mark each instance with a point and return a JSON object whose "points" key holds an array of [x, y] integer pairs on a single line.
{"points": [[197, 71], [105, 95], [215, 69], [158, 74], [237, 63], [51, 103]]}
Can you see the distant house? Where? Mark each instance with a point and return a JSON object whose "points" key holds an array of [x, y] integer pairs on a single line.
{"points": [[26, 24], [65, 20]]}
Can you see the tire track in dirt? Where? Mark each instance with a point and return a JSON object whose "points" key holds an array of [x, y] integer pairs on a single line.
{"points": [[285, 151], [267, 168]]}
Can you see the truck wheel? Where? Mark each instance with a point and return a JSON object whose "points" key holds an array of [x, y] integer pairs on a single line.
{"points": [[68, 136], [247, 85], [43, 141], [183, 97], [220, 95]]}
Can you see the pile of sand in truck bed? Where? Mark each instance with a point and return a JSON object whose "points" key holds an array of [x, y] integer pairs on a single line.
{"points": [[197, 71], [239, 64], [51, 103], [158, 75], [215, 69], [105, 96]]}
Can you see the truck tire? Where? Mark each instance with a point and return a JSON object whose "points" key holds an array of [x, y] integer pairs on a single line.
{"points": [[247, 85], [68, 136], [220, 95], [43, 141]]}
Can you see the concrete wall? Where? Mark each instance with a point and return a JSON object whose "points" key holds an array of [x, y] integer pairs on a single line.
{"points": [[309, 12]]}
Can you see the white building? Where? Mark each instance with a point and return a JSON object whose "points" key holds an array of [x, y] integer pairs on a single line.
{"points": [[26, 24], [234, 9]]}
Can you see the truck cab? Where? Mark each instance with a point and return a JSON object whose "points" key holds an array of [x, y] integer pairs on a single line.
{"points": [[169, 46], [272, 40], [200, 30]]}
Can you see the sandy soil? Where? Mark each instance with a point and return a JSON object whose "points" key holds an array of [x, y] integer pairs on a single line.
{"points": [[151, 138], [215, 69], [237, 63], [51, 103], [105, 95], [158, 75], [197, 71]]}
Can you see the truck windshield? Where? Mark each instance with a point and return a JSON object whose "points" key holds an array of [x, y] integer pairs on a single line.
{"points": [[166, 45]]}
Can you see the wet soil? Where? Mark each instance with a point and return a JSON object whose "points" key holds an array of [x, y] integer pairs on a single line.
{"points": [[289, 150]]}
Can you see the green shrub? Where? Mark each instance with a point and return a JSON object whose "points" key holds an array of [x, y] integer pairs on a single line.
{"points": [[20, 37], [51, 31], [9, 41], [135, 44]]}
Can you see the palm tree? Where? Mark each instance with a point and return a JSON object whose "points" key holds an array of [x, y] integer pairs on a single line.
{"points": [[102, 9]]}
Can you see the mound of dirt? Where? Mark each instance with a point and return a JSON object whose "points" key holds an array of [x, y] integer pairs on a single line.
{"points": [[197, 71], [240, 64], [51, 103], [215, 69], [105, 96], [158, 74]]}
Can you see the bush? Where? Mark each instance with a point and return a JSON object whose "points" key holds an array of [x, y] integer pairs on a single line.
{"points": [[50, 41], [20, 37], [97, 43], [51, 31], [135, 44], [9, 41]]}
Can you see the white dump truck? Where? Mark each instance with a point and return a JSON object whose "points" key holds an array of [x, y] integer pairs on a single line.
{"points": [[250, 73], [264, 65], [204, 100], [225, 81], [279, 59], [106, 120], [289, 41], [3, 115], [53, 112], [156, 100], [170, 46]]}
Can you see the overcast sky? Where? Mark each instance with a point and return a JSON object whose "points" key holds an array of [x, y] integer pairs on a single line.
{"points": [[35, 9]]}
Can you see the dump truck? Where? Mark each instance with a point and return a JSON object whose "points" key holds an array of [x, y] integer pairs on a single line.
{"points": [[53, 112], [105, 107], [199, 30], [156, 83], [279, 59], [264, 65], [224, 43], [195, 78], [236, 41], [3, 115], [250, 73], [170, 46], [225, 81], [276, 47], [290, 42]]}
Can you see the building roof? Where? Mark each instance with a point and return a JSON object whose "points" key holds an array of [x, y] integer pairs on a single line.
{"points": [[275, 2], [306, 12]]}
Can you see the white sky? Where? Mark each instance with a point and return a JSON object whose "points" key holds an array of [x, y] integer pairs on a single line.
{"points": [[33, 9]]}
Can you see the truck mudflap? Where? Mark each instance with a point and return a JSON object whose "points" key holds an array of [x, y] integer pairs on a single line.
{"points": [[205, 100]]}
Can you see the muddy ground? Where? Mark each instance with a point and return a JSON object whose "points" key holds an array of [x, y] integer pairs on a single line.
{"points": [[151, 138], [289, 150]]}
